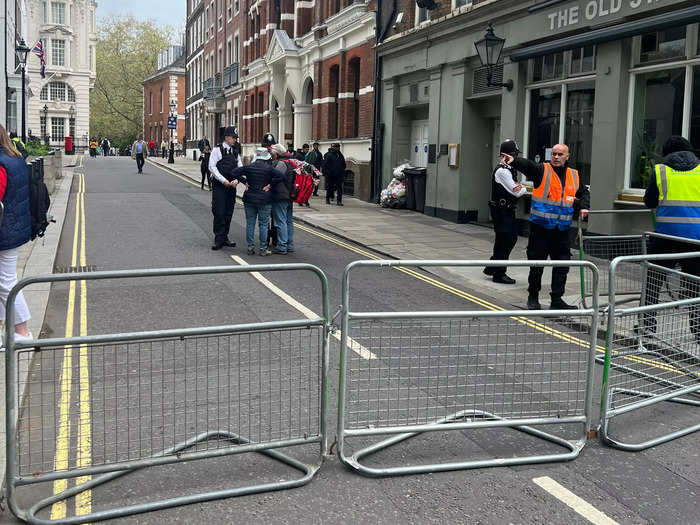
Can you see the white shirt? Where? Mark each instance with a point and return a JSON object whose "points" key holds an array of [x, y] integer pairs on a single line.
{"points": [[505, 178], [214, 159]]}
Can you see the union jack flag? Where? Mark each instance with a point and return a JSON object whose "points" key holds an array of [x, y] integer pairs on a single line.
{"points": [[38, 50]]}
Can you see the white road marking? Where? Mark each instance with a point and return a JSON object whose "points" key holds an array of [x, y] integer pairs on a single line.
{"points": [[352, 344], [579, 505]]}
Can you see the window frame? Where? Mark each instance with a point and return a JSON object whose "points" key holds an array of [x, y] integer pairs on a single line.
{"points": [[55, 48], [466, 3], [55, 3], [62, 126], [417, 16]]}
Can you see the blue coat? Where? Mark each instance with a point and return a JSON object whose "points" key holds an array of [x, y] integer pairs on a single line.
{"points": [[16, 226]]}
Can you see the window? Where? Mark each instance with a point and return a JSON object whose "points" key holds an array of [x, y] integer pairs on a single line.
{"points": [[58, 13], [355, 79], [45, 12], [42, 126], [58, 91], [229, 9], [12, 111], [258, 41], [548, 67], [235, 48], [422, 15], [545, 110], [461, 3], [71, 127], [57, 129], [663, 45], [58, 52], [91, 58], [582, 60], [161, 100], [333, 121], [236, 6], [220, 13], [150, 103], [229, 52]]}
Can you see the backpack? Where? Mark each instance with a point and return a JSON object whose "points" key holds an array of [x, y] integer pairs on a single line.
{"points": [[39, 202], [303, 186]]}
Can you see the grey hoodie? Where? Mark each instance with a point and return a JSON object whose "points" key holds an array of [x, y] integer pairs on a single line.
{"points": [[679, 161]]}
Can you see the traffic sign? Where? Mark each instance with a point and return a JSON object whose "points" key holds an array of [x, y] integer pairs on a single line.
{"points": [[172, 122]]}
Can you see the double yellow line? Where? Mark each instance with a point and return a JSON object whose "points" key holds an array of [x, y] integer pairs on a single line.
{"points": [[83, 501]]}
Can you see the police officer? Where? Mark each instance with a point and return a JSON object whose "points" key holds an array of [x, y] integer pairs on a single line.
{"points": [[223, 160], [675, 193], [556, 195], [505, 192]]}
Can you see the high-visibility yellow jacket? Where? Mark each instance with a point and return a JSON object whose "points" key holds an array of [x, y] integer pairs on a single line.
{"points": [[679, 202]]}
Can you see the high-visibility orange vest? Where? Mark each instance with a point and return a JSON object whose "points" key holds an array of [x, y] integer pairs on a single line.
{"points": [[553, 206]]}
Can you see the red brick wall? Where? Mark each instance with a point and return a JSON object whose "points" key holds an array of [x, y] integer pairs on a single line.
{"points": [[156, 124]]}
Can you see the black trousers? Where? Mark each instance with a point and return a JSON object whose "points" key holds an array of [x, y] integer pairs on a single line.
{"points": [[553, 244], [334, 187], [656, 279], [506, 229], [205, 176], [140, 161], [223, 200]]}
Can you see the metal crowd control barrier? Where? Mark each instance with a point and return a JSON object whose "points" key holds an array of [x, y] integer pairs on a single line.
{"points": [[652, 350], [601, 249], [409, 373], [163, 397]]}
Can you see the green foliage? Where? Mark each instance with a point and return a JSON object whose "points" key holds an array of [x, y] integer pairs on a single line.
{"points": [[36, 148], [127, 51]]}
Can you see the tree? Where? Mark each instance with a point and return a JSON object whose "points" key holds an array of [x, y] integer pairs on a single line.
{"points": [[127, 51]]}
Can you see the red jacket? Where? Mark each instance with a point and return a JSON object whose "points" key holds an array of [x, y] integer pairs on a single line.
{"points": [[152, 144]]}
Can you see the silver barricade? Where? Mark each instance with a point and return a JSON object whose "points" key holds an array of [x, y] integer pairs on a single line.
{"points": [[408, 373], [652, 351], [602, 249], [163, 397]]}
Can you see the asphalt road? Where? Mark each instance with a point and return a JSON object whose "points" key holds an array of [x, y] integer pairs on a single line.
{"points": [[121, 402]]}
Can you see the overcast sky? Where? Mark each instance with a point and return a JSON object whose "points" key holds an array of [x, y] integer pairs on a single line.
{"points": [[162, 11]]}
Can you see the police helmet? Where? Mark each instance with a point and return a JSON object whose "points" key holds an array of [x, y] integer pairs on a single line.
{"points": [[510, 147]]}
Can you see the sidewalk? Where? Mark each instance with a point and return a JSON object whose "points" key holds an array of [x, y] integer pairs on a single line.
{"points": [[404, 234]]}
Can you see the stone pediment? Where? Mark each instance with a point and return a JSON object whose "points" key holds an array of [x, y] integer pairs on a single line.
{"points": [[56, 31], [281, 46]]}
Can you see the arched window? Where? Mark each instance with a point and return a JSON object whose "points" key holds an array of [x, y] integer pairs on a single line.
{"points": [[58, 91]]}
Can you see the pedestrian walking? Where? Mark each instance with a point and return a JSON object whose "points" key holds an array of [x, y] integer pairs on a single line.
{"points": [[557, 198], [301, 153], [93, 148], [152, 148], [204, 167], [315, 158], [164, 148], [675, 193], [15, 229], [203, 142], [223, 161], [139, 152], [258, 176], [505, 192], [282, 206], [105, 147], [334, 170]]}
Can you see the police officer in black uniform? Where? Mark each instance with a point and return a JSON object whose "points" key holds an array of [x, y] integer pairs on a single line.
{"points": [[223, 160], [505, 192]]}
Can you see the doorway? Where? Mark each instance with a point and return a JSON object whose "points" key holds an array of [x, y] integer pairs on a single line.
{"points": [[419, 143]]}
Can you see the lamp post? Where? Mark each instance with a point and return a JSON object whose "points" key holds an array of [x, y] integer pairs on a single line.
{"points": [[46, 124], [489, 49], [171, 152], [71, 127], [22, 52]]}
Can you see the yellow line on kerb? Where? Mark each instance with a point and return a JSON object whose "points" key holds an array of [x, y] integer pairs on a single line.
{"points": [[61, 462]]}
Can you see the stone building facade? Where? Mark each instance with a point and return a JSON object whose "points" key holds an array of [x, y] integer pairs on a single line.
{"points": [[165, 86], [300, 69], [14, 21], [59, 105]]}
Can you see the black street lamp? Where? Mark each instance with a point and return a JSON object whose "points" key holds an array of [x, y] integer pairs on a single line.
{"points": [[489, 49], [22, 52], [171, 152], [46, 124]]}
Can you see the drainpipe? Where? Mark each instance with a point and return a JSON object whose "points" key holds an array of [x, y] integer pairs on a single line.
{"points": [[377, 130], [7, 77]]}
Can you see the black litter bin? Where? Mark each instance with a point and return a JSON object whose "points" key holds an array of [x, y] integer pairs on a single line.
{"points": [[415, 188]]}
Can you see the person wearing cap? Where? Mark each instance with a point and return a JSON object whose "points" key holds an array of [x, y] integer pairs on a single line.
{"points": [[259, 177], [675, 193], [557, 198], [224, 159], [505, 192], [334, 170]]}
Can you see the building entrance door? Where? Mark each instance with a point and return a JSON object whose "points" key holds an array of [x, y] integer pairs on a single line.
{"points": [[419, 143]]}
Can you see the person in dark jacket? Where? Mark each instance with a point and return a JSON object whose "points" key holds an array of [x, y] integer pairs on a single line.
{"points": [[334, 170], [505, 192], [19, 145], [203, 142], [223, 160], [204, 167], [15, 229], [282, 206], [679, 173], [557, 197], [258, 177], [315, 158]]}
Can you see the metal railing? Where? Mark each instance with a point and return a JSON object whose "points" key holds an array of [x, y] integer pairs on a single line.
{"points": [[409, 373], [652, 351], [212, 87], [231, 75], [163, 397]]}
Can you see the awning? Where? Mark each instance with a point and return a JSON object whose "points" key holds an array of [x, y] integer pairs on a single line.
{"points": [[685, 16]]}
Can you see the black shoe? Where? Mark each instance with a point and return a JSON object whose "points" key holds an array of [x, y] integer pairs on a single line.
{"points": [[217, 246], [559, 304], [533, 303], [503, 279], [339, 203], [489, 270], [229, 244]]}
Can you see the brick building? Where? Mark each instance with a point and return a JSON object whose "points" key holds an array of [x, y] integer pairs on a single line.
{"points": [[163, 87], [300, 69]]}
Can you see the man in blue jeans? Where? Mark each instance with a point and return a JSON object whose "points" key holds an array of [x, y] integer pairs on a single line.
{"points": [[281, 201], [258, 176]]}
